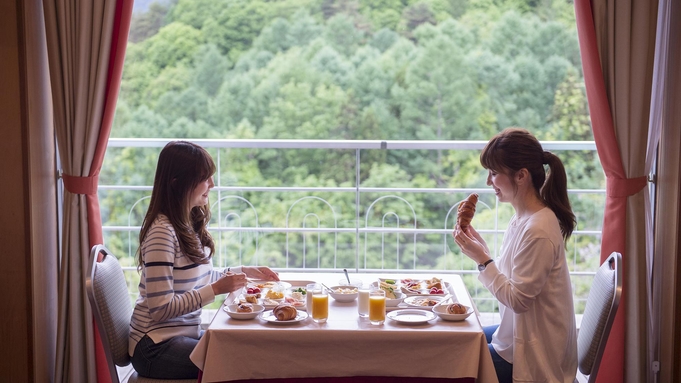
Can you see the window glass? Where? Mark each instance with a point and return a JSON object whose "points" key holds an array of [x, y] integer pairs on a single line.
{"points": [[386, 70]]}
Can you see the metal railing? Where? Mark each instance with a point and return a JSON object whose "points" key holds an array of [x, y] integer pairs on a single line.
{"points": [[384, 224]]}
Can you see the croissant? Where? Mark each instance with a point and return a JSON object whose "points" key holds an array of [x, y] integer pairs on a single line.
{"points": [[456, 308], [466, 211], [285, 311]]}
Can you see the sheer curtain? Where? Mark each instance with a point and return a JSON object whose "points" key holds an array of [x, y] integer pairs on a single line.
{"points": [[662, 253], [617, 41], [86, 43]]}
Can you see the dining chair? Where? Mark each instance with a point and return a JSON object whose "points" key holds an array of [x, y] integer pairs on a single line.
{"points": [[108, 294], [599, 313]]}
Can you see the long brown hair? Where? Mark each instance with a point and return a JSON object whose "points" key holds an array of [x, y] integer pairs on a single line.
{"points": [[181, 167], [514, 149]]}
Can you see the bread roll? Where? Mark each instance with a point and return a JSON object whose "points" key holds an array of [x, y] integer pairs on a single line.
{"points": [[456, 308], [285, 311], [244, 308], [466, 211]]}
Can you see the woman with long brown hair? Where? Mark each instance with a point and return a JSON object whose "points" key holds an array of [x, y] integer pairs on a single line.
{"points": [[175, 260], [536, 340]]}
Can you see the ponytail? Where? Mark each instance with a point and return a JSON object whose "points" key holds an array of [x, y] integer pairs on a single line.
{"points": [[555, 196]]}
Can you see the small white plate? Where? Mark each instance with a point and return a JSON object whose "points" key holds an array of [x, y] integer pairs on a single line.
{"points": [[270, 303], [231, 310], [269, 284], [268, 316], [411, 316], [421, 300]]}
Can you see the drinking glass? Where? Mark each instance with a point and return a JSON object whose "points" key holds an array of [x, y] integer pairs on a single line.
{"points": [[377, 306], [363, 299], [320, 305], [309, 289]]}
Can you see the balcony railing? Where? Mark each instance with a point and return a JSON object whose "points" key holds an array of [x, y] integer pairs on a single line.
{"points": [[359, 223]]}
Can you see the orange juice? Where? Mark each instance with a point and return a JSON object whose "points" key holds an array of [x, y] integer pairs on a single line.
{"points": [[377, 309], [320, 307]]}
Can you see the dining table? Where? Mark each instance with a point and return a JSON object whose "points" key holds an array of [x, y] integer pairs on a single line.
{"points": [[347, 347]]}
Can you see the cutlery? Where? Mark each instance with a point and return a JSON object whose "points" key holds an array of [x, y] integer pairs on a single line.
{"points": [[327, 288], [347, 276], [443, 300]]}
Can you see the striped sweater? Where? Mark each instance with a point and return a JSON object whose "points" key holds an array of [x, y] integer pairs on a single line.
{"points": [[172, 289]]}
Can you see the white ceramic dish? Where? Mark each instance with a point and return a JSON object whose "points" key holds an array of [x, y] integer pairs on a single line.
{"points": [[396, 301], [421, 290], [268, 316], [441, 311], [277, 285], [422, 300], [270, 303], [353, 282], [232, 312], [411, 316], [344, 296]]}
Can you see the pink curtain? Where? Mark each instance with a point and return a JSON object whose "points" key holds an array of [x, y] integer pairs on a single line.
{"points": [[617, 56], [86, 47]]}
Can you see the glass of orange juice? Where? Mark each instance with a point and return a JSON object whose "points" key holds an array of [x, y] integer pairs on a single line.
{"points": [[377, 306], [320, 305]]}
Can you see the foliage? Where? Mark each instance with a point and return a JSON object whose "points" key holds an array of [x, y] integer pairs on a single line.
{"points": [[350, 70]]}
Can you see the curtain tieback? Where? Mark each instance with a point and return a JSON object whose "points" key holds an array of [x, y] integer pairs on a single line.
{"points": [[81, 185], [625, 187]]}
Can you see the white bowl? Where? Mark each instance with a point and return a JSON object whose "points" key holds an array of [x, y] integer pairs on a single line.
{"points": [[394, 302], [353, 282], [344, 296], [441, 311], [231, 311]]}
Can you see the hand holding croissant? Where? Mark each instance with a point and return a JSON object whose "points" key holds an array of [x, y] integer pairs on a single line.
{"points": [[466, 211]]}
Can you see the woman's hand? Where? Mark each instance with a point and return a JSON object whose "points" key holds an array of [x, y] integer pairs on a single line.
{"points": [[471, 244], [228, 283], [260, 273]]}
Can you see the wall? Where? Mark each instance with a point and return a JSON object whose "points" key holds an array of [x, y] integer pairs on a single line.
{"points": [[28, 222]]}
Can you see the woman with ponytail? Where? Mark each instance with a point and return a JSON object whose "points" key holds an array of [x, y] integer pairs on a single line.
{"points": [[536, 339]]}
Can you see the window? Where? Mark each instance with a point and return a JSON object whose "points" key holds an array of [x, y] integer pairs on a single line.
{"points": [[328, 81]]}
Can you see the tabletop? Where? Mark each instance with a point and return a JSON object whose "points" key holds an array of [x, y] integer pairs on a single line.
{"points": [[346, 345]]}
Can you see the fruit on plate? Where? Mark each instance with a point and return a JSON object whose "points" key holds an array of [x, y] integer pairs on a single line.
{"points": [[435, 291]]}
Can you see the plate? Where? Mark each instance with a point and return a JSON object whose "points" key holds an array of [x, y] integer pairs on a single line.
{"points": [[411, 316], [269, 284], [231, 310], [422, 300], [268, 316]]}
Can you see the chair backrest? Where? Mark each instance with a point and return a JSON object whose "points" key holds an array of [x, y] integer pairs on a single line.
{"points": [[599, 313], [107, 291]]}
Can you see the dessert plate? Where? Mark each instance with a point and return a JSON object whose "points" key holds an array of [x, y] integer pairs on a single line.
{"points": [[411, 316], [268, 316]]}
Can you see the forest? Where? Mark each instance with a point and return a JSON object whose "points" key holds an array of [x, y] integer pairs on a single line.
{"points": [[350, 70]]}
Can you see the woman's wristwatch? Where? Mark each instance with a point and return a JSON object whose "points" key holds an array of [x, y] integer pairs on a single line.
{"points": [[483, 266]]}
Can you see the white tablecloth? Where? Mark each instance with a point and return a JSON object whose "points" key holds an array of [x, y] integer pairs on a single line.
{"points": [[346, 345]]}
